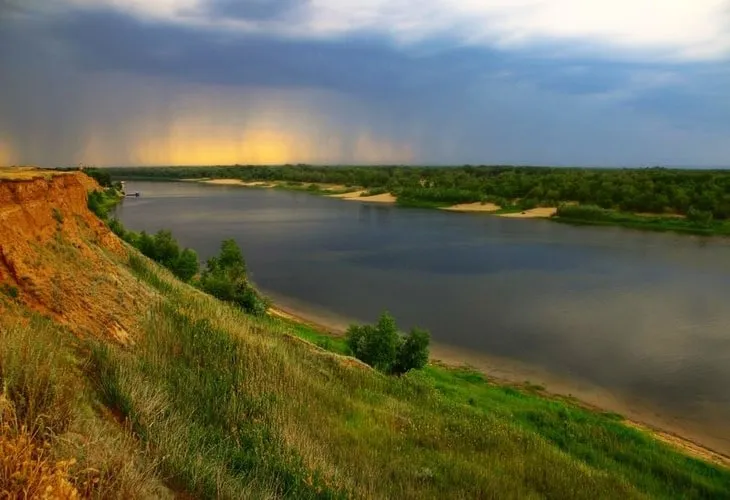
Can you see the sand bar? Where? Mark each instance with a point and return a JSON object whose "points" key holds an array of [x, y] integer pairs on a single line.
{"points": [[378, 198], [351, 194], [532, 213], [236, 182], [473, 207]]}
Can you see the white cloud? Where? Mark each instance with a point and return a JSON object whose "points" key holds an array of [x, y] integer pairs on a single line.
{"points": [[666, 29]]}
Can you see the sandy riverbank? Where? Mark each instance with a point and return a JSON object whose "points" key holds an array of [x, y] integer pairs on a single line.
{"points": [[235, 182], [473, 207], [532, 213], [492, 208], [691, 437], [357, 196]]}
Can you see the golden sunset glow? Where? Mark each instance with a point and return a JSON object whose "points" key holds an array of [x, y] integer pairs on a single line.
{"points": [[7, 155], [166, 123], [223, 147], [371, 150]]}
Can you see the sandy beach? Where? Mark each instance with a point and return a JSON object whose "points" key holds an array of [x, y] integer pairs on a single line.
{"points": [[235, 182], [473, 207], [532, 213], [357, 196]]}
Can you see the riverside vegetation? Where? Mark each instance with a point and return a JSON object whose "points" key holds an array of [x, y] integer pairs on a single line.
{"points": [[694, 201], [209, 401]]}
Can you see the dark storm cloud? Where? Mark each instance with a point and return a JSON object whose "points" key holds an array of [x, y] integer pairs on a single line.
{"points": [[450, 103], [574, 77], [701, 102], [110, 41]]}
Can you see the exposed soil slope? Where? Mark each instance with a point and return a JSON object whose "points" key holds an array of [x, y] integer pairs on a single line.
{"points": [[46, 230]]}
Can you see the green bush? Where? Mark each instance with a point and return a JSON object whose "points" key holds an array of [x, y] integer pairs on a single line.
{"points": [[118, 228], [376, 345], [413, 351], [186, 265], [375, 191], [225, 278], [583, 212], [103, 177], [701, 217], [385, 349], [100, 202], [527, 203]]}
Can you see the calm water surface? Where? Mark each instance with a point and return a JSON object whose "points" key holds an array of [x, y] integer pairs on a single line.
{"points": [[643, 316]]}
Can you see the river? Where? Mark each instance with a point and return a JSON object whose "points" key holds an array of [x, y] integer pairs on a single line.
{"points": [[635, 322]]}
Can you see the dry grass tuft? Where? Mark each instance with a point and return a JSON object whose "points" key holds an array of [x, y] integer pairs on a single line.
{"points": [[26, 173], [27, 469]]}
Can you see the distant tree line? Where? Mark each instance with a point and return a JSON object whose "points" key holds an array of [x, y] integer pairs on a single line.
{"points": [[651, 190]]}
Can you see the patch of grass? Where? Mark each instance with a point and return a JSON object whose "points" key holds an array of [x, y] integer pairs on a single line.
{"points": [[35, 377], [52, 441], [10, 290], [596, 216], [190, 388], [417, 203], [206, 375], [375, 191], [57, 215], [102, 202], [213, 403], [27, 469]]}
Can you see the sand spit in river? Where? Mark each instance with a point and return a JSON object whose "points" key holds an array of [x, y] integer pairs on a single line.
{"points": [[357, 196], [235, 182], [473, 207], [532, 213]]}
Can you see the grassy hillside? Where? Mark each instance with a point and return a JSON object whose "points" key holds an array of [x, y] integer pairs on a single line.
{"points": [[194, 398]]}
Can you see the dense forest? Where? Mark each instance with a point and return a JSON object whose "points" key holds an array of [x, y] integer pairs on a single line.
{"points": [[701, 193]]}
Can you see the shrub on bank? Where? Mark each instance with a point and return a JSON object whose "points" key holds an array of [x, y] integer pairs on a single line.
{"points": [[584, 212], [225, 278], [701, 217], [385, 349]]}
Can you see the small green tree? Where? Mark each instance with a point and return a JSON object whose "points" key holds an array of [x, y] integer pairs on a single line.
{"points": [[146, 245], [99, 175], [412, 352], [383, 348], [186, 265], [225, 278], [166, 249], [231, 259]]}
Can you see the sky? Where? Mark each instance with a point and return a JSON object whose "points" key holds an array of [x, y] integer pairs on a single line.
{"points": [[191, 82]]}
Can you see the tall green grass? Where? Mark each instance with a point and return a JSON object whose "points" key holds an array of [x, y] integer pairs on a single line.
{"points": [[48, 407], [234, 406], [213, 403]]}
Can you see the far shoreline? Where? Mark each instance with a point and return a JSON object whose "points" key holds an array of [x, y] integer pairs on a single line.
{"points": [[361, 195], [686, 436]]}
